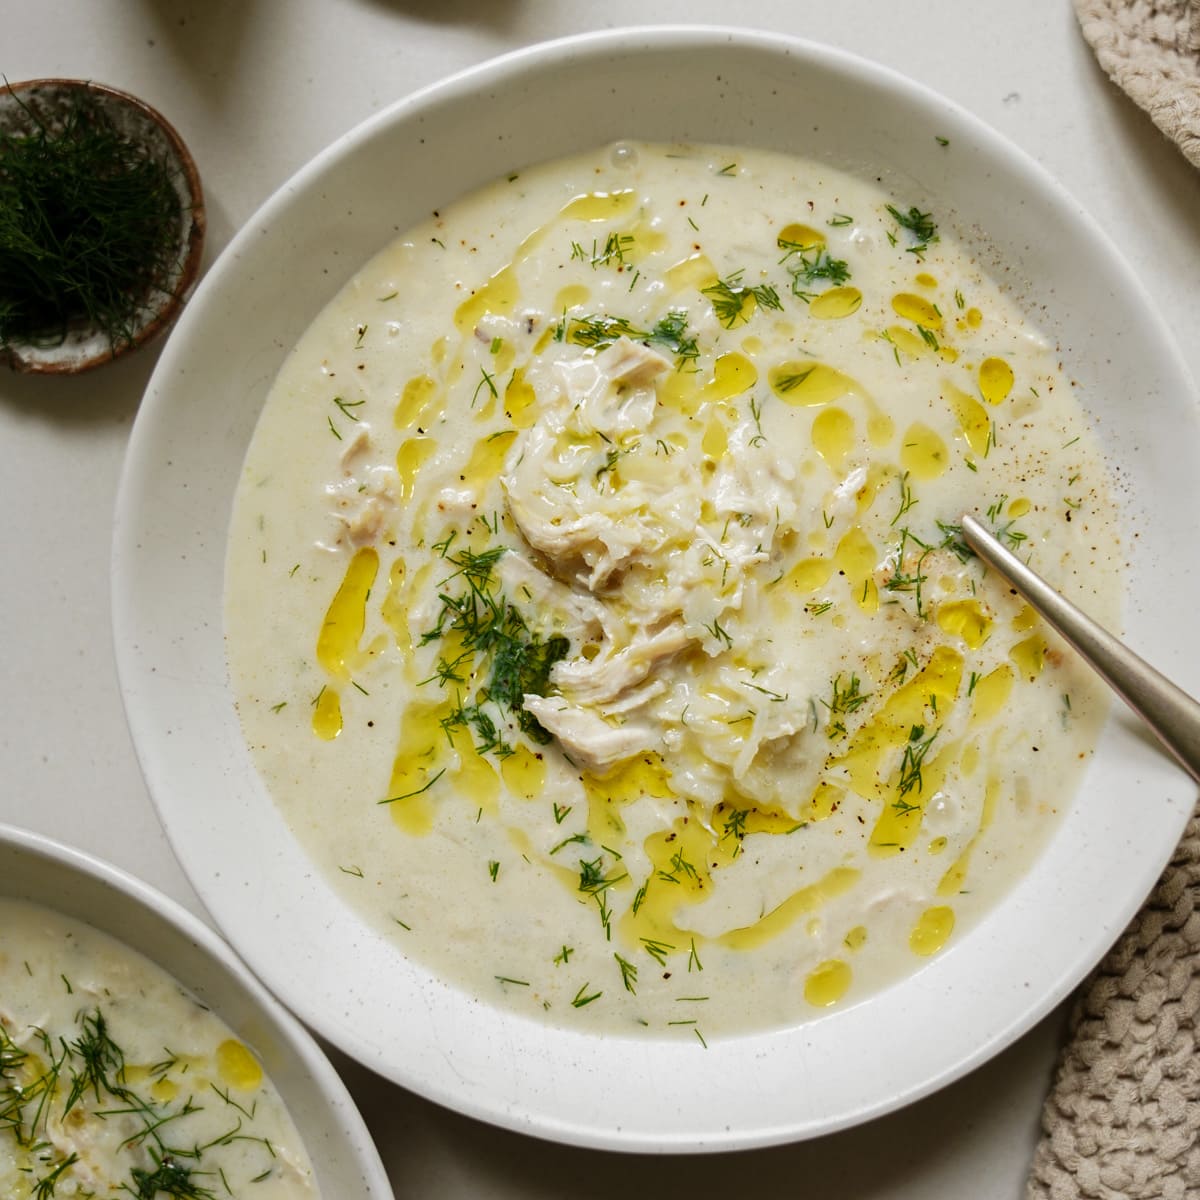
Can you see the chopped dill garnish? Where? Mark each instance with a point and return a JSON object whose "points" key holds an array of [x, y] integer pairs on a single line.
{"points": [[808, 264], [919, 224], [915, 750], [582, 998], [488, 628], [730, 298], [846, 698], [629, 974], [602, 330]]}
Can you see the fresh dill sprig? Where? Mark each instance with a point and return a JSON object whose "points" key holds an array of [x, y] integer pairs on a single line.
{"points": [[90, 225]]}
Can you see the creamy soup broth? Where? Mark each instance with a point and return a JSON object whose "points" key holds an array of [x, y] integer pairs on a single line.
{"points": [[115, 1082], [597, 610]]}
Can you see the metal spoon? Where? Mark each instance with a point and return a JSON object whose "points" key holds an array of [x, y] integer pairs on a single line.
{"points": [[1172, 715]]}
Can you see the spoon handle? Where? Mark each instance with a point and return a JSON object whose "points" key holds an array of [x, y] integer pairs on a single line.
{"points": [[1172, 715]]}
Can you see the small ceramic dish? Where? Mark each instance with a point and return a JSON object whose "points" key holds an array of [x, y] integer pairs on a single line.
{"points": [[81, 888], [86, 345]]}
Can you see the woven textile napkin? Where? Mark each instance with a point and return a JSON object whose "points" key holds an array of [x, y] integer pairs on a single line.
{"points": [[1122, 1121], [1151, 50]]}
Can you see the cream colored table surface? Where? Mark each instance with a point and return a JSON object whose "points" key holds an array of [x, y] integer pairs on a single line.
{"points": [[258, 87]]}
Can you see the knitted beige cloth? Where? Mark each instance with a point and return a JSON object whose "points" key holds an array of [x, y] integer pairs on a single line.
{"points": [[1122, 1121], [1151, 49]]}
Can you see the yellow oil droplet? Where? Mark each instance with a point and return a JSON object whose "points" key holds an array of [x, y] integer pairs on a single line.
{"points": [[733, 374], [995, 380], [938, 845], [487, 460], [880, 427], [807, 384], [416, 766], [954, 880], [965, 619], [1019, 507], [646, 240], [573, 296], [856, 938], [774, 821], [1029, 656], [682, 391], [878, 476], [1027, 618], [827, 983], [925, 280], [932, 930], [679, 877], [646, 775], [499, 295], [693, 273], [969, 759], [524, 772], [503, 356], [162, 1090], [801, 903], [824, 802], [393, 609], [519, 400], [912, 344], [833, 436], [973, 420], [991, 693], [889, 728], [327, 714], [475, 778], [418, 403], [807, 575], [413, 454], [974, 318], [599, 206], [800, 237], [715, 441], [856, 558], [345, 619], [917, 309], [922, 453], [836, 303], [237, 1066]]}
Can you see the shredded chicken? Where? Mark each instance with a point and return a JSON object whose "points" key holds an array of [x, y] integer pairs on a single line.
{"points": [[363, 501], [639, 549], [587, 738]]}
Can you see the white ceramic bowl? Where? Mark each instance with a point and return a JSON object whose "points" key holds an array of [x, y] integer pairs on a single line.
{"points": [[183, 465], [81, 887]]}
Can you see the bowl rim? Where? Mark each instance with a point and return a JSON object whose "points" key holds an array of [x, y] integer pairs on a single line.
{"points": [[508, 69], [218, 956], [35, 360]]}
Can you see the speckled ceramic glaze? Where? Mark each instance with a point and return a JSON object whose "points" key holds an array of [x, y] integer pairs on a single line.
{"points": [[85, 346]]}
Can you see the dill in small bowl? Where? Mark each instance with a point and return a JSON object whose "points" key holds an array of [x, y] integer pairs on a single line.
{"points": [[101, 224]]}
